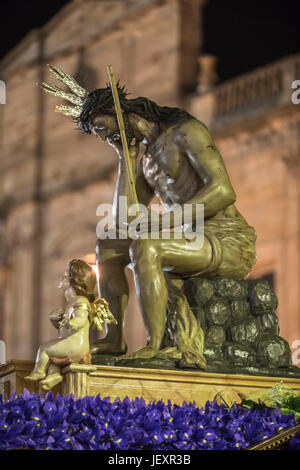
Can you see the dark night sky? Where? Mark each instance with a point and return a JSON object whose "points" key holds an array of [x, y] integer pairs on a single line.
{"points": [[244, 34]]}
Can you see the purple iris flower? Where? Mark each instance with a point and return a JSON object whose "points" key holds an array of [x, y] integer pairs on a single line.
{"points": [[295, 442], [44, 422]]}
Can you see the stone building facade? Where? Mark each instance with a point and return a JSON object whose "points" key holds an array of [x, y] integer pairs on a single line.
{"points": [[52, 178]]}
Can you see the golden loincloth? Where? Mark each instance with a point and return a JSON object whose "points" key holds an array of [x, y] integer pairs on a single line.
{"points": [[233, 244]]}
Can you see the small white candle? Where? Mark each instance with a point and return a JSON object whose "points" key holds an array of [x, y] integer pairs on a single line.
{"points": [[96, 270]]}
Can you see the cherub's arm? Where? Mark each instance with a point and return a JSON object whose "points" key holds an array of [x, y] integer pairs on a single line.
{"points": [[56, 317], [79, 316]]}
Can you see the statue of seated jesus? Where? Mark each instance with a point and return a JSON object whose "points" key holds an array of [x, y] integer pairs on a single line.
{"points": [[174, 157]]}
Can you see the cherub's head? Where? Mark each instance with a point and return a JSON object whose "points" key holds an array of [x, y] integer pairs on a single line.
{"points": [[81, 277]]}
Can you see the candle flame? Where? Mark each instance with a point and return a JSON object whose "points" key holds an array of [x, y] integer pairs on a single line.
{"points": [[96, 270]]}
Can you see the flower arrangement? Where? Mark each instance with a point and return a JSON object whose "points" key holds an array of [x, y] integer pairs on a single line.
{"points": [[280, 396], [44, 422]]}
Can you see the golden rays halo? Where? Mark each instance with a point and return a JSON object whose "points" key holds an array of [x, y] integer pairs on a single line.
{"points": [[76, 97]]}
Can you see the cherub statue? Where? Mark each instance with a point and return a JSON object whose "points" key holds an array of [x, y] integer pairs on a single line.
{"points": [[73, 323]]}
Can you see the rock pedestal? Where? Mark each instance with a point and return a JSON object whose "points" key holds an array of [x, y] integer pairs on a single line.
{"points": [[239, 322]]}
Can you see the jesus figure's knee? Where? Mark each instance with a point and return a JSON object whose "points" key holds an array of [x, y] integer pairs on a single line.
{"points": [[144, 253]]}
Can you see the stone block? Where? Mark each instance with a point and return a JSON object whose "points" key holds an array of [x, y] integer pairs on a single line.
{"points": [[230, 288], [217, 312], [246, 332], [269, 321], [215, 335], [213, 352], [274, 352], [262, 298], [199, 291], [240, 355], [239, 309]]}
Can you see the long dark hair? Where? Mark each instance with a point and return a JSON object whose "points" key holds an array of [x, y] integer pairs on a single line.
{"points": [[101, 101]]}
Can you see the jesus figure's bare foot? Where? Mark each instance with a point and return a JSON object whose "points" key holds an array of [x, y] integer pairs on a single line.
{"points": [[106, 347], [147, 352]]}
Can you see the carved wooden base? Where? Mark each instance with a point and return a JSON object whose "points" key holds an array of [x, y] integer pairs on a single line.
{"points": [[12, 377], [151, 384], [278, 442]]}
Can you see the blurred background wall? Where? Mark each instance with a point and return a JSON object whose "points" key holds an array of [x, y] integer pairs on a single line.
{"points": [[52, 178]]}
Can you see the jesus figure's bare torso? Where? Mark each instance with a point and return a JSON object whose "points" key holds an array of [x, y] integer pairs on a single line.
{"points": [[167, 169]]}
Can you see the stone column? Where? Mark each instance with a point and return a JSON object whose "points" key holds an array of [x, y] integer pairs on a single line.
{"points": [[37, 265], [20, 290], [207, 73], [191, 39], [129, 36]]}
